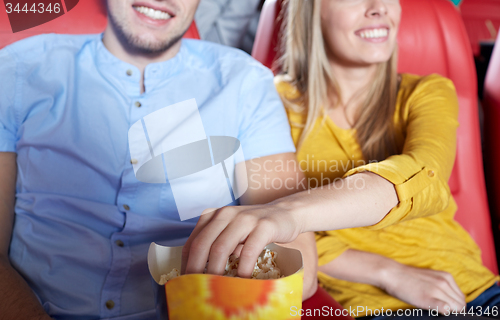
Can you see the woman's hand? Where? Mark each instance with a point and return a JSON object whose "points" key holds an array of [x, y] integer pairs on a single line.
{"points": [[219, 232], [423, 288]]}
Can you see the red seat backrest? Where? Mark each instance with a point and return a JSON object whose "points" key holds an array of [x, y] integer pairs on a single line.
{"points": [[481, 19], [265, 46], [432, 39], [491, 107], [88, 16], [492, 80]]}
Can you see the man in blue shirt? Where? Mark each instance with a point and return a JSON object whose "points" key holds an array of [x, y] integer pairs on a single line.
{"points": [[74, 242]]}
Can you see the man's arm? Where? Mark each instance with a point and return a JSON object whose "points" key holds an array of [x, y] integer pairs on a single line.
{"points": [[17, 301]]}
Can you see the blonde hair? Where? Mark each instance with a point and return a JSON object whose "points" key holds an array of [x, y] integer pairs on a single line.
{"points": [[305, 65]]}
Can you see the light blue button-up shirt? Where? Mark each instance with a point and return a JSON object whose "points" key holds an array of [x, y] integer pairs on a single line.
{"points": [[83, 221]]}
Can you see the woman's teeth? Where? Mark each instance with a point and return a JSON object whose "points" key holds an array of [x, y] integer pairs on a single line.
{"points": [[374, 33], [153, 14]]}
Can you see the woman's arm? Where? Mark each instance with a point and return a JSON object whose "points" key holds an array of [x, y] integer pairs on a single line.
{"points": [[422, 288], [406, 186], [219, 232], [356, 201], [421, 172]]}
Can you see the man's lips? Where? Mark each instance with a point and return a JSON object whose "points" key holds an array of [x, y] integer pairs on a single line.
{"points": [[153, 6], [152, 13]]}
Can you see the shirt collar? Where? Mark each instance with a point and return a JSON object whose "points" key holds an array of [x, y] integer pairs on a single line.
{"points": [[127, 74]]}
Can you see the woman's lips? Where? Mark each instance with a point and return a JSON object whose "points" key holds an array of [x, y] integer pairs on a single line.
{"points": [[376, 35]]}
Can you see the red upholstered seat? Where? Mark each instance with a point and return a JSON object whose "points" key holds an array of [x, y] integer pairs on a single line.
{"points": [[481, 19], [88, 16], [265, 47], [322, 306], [432, 39], [491, 107]]}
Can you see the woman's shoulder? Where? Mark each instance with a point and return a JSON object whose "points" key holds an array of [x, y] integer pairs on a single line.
{"points": [[285, 88], [289, 94], [415, 84], [416, 93]]}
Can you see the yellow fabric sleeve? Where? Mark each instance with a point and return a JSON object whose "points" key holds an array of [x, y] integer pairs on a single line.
{"points": [[420, 174], [329, 247]]}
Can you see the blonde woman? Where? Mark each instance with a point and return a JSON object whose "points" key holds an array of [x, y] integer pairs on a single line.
{"points": [[380, 147]]}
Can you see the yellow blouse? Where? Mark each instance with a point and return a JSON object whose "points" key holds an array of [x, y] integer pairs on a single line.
{"points": [[420, 231]]}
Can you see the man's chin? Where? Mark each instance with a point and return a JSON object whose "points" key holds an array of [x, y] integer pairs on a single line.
{"points": [[149, 46], [145, 43]]}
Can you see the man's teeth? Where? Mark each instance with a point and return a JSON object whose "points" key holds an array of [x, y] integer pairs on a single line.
{"points": [[374, 33], [153, 14]]}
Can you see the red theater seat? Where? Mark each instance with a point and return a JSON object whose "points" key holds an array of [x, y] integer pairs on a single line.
{"points": [[432, 39], [265, 46], [481, 19], [322, 306], [491, 107], [88, 16]]}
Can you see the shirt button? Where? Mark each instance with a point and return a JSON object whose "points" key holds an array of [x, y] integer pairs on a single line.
{"points": [[138, 104], [129, 72], [431, 174], [119, 243], [134, 161], [126, 207], [110, 304]]}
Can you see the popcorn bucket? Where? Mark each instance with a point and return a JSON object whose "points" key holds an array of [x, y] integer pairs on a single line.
{"points": [[206, 296]]}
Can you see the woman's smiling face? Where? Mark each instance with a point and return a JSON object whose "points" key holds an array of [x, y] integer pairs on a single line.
{"points": [[360, 32]]}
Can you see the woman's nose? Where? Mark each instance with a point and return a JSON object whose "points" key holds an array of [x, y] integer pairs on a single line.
{"points": [[376, 8]]}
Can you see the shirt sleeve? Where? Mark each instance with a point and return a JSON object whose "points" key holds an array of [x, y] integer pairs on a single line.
{"points": [[420, 174], [264, 127], [8, 123], [329, 246]]}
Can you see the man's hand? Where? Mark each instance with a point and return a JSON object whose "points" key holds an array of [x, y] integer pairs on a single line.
{"points": [[423, 288]]}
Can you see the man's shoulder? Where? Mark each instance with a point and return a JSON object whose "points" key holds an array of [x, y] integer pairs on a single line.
{"points": [[37, 47], [205, 54]]}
